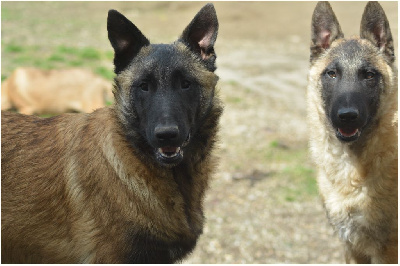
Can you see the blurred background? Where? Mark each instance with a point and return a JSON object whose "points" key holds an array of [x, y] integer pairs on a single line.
{"points": [[263, 204]]}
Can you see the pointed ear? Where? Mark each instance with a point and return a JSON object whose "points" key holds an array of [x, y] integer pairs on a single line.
{"points": [[201, 34], [375, 28], [325, 29], [125, 38]]}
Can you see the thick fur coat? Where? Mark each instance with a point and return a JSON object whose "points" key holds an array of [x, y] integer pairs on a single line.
{"points": [[357, 180], [107, 187]]}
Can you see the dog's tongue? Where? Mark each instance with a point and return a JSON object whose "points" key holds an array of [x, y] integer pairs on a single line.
{"points": [[169, 149], [348, 132]]}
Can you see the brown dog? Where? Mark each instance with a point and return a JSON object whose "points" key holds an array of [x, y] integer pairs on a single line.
{"points": [[352, 113], [35, 91], [123, 184]]}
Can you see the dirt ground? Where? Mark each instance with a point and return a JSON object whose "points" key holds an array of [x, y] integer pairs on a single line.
{"points": [[257, 209]]}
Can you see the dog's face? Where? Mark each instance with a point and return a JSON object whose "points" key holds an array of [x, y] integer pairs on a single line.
{"points": [[353, 76], [351, 88], [163, 90]]}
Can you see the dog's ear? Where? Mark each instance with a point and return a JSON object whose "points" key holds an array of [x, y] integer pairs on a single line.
{"points": [[325, 29], [201, 34], [125, 38], [375, 28]]}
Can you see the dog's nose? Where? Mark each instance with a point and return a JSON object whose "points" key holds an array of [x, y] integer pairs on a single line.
{"points": [[348, 114], [168, 132]]}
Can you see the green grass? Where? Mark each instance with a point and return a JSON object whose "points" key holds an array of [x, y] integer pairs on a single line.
{"points": [[297, 172], [280, 152], [59, 57], [303, 183], [233, 83], [67, 50], [274, 144], [105, 72], [234, 100], [90, 54], [13, 48]]}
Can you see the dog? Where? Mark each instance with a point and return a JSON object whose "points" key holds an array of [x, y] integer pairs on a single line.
{"points": [[36, 91], [352, 116], [126, 183]]}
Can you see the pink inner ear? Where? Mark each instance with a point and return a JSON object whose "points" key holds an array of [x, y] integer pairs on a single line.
{"points": [[204, 44], [324, 36], [380, 36]]}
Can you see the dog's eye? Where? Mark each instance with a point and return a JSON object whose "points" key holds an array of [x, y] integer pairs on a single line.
{"points": [[369, 75], [144, 86], [331, 74], [185, 84]]}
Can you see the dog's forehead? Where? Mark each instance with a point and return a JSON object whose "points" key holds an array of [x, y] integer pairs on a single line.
{"points": [[163, 62], [167, 57], [352, 53]]}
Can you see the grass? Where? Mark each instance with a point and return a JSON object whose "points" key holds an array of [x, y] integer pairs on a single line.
{"points": [[59, 57], [89, 53], [104, 72], [234, 100], [303, 183], [297, 173], [13, 48]]}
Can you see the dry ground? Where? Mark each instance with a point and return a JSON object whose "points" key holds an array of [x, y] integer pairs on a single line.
{"points": [[262, 206]]}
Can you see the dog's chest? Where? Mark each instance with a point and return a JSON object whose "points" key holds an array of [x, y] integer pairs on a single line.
{"points": [[356, 219]]}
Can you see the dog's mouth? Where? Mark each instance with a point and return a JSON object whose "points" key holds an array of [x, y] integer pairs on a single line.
{"points": [[171, 155], [348, 134], [169, 152]]}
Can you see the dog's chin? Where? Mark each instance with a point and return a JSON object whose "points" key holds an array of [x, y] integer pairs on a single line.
{"points": [[348, 134]]}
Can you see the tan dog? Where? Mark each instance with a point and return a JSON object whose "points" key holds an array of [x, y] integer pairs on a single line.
{"points": [[124, 184], [352, 113], [36, 91]]}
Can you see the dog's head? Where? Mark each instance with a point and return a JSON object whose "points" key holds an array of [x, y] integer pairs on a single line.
{"points": [[163, 91], [353, 72]]}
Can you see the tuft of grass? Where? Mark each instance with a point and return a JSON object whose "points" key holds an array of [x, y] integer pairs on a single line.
{"points": [[105, 72], [234, 100], [303, 183], [76, 63], [109, 55], [13, 48], [59, 57], [22, 59], [43, 64], [56, 58], [233, 83], [67, 50], [90, 54], [274, 144]]}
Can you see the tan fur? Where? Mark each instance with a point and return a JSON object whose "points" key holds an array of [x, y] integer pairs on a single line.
{"points": [[36, 91], [359, 188], [72, 185]]}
